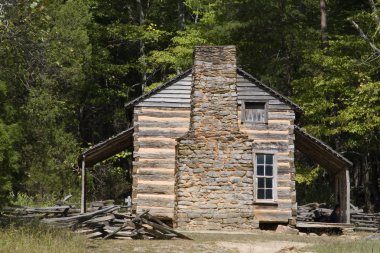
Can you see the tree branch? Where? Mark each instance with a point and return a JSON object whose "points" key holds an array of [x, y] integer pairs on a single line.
{"points": [[374, 11], [365, 37]]}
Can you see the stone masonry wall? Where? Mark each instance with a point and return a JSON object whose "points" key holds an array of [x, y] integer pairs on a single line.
{"points": [[214, 170]]}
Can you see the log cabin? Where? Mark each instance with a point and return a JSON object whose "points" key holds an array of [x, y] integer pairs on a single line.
{"points": [[214, 148]]}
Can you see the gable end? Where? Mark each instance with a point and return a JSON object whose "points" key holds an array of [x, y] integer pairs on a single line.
{"points": [[269, 90]]}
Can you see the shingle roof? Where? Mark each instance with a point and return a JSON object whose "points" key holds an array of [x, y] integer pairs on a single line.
{"points": [[105, 149], [156, 90], [239, 71], [319, 151]]}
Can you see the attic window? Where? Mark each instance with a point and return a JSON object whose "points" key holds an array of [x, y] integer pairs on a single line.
{"points": [[255, 112]]}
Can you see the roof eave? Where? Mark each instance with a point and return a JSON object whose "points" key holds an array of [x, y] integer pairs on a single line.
{"points": [[96, 150], [326, 147], [154, 91]]}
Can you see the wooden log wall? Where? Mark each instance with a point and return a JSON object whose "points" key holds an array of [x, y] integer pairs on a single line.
{"points": [[275, 137], [165, 116], [158, 121]]}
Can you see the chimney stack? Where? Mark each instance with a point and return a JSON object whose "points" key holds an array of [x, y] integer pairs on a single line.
{"points": [[214, 100], [214, 169]]}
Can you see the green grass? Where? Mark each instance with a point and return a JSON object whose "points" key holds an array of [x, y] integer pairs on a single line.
{"points": [[348, 246], [40, 239], [34, 238]]}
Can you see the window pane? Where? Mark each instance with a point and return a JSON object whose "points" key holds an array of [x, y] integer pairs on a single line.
{"points": [[260, 194], [260, 170], [269, 159], [260, 159], [269, 170], [249, 115], [268, 183], [268, 194], [255, 105], [260, 183]]}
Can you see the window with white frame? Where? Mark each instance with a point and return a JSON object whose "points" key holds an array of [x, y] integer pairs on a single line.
{"points": [[265, 177]]}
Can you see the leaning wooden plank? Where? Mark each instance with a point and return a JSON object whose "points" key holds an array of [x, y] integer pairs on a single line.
{"points": [[94, 235], [154, 233], [100, 219], [86, 231], [128, 227], [125, 234], [164, 228], [152, 218], [81, 217], [116, 230]]}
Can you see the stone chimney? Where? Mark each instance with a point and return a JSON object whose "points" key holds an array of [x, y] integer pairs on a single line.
{"points": [[214, 99], [214, 169]]}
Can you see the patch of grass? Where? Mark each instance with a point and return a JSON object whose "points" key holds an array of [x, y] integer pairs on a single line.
{"points": [[35, 238], [158, 246], [348, 246], [39, 239]]}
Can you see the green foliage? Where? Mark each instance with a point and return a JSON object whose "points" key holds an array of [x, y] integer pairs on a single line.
{"points": [[307, 175], [9, 158], [68, 67], [51, 172], [22, 199], [111, 179], [10, 134]]}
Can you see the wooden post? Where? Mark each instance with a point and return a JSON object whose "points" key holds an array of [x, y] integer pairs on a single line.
{"points": [[83, 195], [344, 195], [348, 196]]}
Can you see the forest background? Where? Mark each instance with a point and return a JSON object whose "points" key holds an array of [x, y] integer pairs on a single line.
{"points": [[67, 67]]}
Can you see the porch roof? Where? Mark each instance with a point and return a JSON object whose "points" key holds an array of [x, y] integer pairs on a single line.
{"points": [[105, 149], [319, 151]]}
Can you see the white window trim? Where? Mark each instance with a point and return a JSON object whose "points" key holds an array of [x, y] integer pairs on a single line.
{"points": [[264, 201], [254, 101]]}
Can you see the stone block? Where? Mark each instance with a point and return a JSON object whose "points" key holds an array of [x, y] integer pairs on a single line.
{"points": [[287, 230]]}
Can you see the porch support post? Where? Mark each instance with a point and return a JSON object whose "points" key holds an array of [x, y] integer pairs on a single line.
{"points": [[343, 193], [83, 194], [348, 197]]}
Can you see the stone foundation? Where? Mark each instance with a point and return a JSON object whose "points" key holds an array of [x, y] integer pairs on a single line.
{"points": [[214, 163]]}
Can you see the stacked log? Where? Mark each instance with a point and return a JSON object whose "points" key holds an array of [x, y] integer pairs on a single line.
{"points": [[313, 212], [104, 222], [369, 222]]}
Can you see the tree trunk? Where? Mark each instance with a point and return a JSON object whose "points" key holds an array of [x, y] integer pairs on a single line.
{"points": [[322, 7], [375, 189], [181, 15], [367, 186], [141, 14]]}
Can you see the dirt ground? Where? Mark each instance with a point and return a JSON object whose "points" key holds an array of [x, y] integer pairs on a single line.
{"points": [[256, 242]]}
